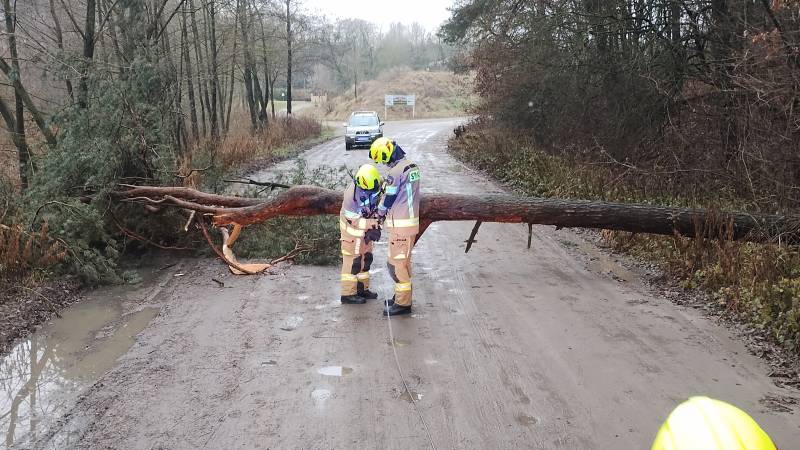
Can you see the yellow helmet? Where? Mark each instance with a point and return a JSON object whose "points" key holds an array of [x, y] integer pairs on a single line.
{"points": [[368, 177], [702, 423], [381, 150]]}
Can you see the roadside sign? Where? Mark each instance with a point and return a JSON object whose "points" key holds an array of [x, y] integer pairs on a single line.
{"points": [[400, 100]]}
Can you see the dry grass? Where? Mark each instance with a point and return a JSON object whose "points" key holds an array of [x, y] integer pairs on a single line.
{"points": [[242, 147], [21, 251], [439, 94]]}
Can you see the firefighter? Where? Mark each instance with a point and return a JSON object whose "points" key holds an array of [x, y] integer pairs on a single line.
{"points": [[399, 212], [359, 229], [703, 423]]}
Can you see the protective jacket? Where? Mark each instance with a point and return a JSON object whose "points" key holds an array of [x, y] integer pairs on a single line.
{"points": [[400, 204], [358, 214]]}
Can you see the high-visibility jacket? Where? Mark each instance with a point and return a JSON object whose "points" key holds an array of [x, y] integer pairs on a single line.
{"points": [[359, 208], [400, 203]]}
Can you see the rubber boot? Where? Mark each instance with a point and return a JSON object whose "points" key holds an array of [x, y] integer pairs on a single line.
{"points": [[353, 300], [365, 293], [389, 302], [397, 310]]}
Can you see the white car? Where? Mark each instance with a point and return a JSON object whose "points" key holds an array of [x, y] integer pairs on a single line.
{"points": [[362, 129]]}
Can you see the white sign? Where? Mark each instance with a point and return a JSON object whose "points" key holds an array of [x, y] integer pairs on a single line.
{"points": [[399, 100]]}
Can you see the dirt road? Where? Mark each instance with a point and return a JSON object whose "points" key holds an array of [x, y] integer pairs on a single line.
{"points": [[552, 347]]}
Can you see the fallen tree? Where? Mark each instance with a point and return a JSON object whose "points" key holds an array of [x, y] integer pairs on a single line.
{"points": [[636, 218]]}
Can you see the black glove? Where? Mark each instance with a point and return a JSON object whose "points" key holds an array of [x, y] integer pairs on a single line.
{"points": [[372, 235]]}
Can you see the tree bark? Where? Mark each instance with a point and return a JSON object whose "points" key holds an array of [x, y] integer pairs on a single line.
{"points": [[312, 200]]}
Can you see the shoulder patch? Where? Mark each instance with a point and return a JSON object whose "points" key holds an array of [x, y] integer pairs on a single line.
{"points": [[414, 175]]}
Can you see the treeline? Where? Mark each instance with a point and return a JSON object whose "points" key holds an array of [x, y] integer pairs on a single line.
{"points": [[696, 99], [353, 50]]}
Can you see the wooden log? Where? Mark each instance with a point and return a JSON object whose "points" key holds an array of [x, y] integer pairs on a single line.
{"points": [[312, 200]]}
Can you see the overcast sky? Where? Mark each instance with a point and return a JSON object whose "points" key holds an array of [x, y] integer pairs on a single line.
{"points": [[429, 13]]}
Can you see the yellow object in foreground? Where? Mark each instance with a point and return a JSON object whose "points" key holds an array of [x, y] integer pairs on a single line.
{"points": [[702, 423]]}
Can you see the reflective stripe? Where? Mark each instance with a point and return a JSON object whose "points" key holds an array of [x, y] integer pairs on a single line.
{"points": [[350, 230], [400, 256], [400, 223], [402, 287], [410, 199], [346, 253], [363, 276], [351, 214], [392, 190], [348, 277]]}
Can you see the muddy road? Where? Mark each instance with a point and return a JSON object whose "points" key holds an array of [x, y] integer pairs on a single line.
{"points": [[553, 347]]}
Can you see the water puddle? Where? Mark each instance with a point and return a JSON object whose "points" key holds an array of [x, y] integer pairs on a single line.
{"points": [[291, 323], [335, 371], [43, 375], [600, 262], [410, 396]]}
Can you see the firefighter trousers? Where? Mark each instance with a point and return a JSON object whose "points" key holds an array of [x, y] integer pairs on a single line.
{"points": [[399, 264], [356, 261]]}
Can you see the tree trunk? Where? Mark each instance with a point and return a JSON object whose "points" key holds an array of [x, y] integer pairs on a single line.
{"points": [[248, 66], [212, 18], [201, 80], [17, 125], [288, 59], [266, 93], [59, 35], [27, 101], [88, 52], [312, 200], [189, 83]]}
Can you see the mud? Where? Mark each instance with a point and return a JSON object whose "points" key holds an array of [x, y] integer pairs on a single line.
{"points": [[507, 348]]}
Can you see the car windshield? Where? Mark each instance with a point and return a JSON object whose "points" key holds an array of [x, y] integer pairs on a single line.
{"points": [[363, 121]]}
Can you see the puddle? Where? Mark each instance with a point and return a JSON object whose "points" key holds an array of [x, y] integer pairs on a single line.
{"points": [[399, 343], [410, 396], [335, 371], [600, 262], [524, 419], [44, 374], [291, 323]]}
